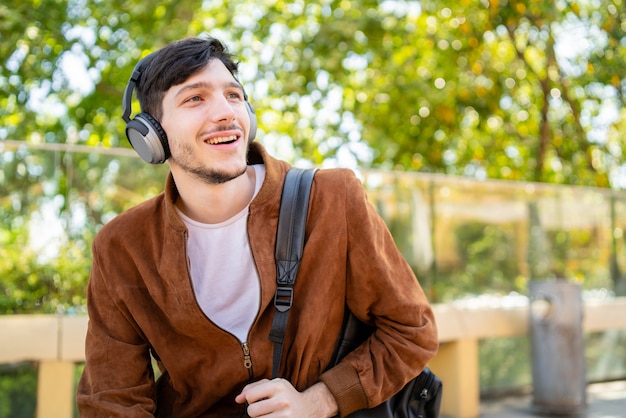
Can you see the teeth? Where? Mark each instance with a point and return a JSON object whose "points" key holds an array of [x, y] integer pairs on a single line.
{"points": [[221, 140]]}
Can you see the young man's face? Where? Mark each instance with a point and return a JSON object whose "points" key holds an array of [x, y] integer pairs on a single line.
{"points": [[207, 124]]}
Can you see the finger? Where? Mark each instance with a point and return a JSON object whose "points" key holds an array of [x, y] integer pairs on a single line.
{"points": [[260, 408], [243, 396]]}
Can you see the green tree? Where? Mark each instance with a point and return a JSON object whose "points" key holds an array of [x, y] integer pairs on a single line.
{"points": [[62, 79], [477, 88]]}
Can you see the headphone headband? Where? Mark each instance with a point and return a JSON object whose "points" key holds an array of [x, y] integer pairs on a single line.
{"points": [[128, 95]]}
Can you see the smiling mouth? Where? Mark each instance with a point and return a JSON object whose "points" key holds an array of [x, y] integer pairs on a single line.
{"points": [[222, 140]]}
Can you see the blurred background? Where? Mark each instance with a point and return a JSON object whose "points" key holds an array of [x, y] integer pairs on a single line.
{"points": [[490, 136]]}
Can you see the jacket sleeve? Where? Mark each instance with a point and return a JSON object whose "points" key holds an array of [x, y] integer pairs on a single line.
{"points": [[381, 289], [118, 379]]}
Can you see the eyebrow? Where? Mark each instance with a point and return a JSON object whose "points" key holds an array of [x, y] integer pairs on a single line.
{"points": [[203, 84]]}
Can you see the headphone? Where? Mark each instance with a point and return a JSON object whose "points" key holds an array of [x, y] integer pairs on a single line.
{"points": [[145, 133]]}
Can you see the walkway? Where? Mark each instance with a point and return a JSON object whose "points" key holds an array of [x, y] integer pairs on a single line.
{"points": [[604, 400]]}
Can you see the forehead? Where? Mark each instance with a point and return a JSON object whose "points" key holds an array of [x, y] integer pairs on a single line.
{"points": [[213, 74]]}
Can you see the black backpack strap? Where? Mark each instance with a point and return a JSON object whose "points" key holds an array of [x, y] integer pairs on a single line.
{"points": [[288, 252]]}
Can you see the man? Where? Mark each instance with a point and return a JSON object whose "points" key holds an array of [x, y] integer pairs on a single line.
{"points": [[188, 277]]}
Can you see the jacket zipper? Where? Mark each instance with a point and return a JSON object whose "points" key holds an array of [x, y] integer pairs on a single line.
{"points": [[247, 358]]}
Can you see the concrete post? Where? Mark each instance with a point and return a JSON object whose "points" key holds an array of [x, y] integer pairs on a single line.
{"points": [[558, 350], [55, 390]]}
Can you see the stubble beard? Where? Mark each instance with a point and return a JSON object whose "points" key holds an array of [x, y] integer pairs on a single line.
{"points": [[205, 174]]}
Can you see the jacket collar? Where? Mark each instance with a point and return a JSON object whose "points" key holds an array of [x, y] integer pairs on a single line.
{"points": [[257, 154]]}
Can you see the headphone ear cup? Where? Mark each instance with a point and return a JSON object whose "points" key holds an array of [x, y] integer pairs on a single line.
{"points": [[253, 122], [148, 138]]}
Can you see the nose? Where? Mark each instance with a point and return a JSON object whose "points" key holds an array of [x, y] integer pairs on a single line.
{"points": [[222, 110]]}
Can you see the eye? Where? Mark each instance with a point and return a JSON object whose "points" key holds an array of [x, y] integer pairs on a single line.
{"points": [[193, 99], [235, 95]]}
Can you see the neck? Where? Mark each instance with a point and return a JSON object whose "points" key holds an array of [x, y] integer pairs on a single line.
{"points": [[214, 203]]}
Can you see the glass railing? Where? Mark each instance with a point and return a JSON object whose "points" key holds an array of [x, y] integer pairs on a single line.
{"points": [[466, 237]]}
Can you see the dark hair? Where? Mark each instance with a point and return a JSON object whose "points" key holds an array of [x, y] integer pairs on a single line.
{"points": [[175, 63]]}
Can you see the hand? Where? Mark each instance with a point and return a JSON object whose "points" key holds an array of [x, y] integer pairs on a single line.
{"points": [[278, 398]]}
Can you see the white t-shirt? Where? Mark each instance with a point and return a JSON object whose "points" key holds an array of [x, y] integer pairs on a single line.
{"points": [[225, 279]]}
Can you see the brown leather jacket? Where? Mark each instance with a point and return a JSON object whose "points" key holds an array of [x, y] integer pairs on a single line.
{"points": [[141, 302]]}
